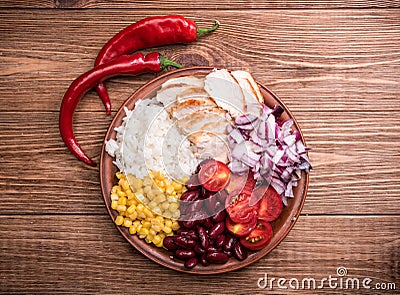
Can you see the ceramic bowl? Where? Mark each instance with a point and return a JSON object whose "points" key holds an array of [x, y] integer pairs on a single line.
{"points": [[281, 226]]}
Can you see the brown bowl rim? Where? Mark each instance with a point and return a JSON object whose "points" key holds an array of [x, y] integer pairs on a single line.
{"points": [[164, 258]]}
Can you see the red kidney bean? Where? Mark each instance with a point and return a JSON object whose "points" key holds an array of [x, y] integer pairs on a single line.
{"points": [[192, 262], [184, 242], [210, 204], [217, 257], [203, 237], [239, 251], [211, 248], [199, 250], [190, 233], [220, 241], [190, 196], [229, 253], [216, 230], [196, 206], [193, 183], [185, 254], [229, 243], [169, 243], [203, 260], [189, 224], [208, 223], [220, 216], [205, 194]]}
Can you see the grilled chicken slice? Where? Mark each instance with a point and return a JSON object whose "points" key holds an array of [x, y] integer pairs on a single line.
{"points": [[251, 92], [191, 101], [186, 80], [206, 129], [225, 91]]}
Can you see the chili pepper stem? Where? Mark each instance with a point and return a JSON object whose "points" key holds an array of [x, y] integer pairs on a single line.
{"points": [[202, 31], [165, 62]]}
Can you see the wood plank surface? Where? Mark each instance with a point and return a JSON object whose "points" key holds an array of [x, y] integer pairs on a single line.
{"points": [[348, 165], [335, 64], [178, 4], [358, 69], [82, 247]]}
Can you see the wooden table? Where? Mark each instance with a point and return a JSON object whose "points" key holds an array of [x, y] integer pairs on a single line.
{"points": [[336, 64]]}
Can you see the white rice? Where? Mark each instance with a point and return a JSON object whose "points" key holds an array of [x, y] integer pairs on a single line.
{"points": [[148, 140]]}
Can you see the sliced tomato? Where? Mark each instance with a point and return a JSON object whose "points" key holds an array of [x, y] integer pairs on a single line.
{"points": [[249, 186], [239, 210], [236, 184], [270, 205], [214, 175], [240, 229], [259, 237]]}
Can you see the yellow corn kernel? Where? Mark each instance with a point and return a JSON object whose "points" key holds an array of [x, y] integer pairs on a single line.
{"points": [[131, 209], [159, 175], [127, 222], [139, 208], [114, 196], [121, 208], [173, 207], [175, 225], [119, 175], [160, 244], [148, 213], [157, 210], [165, 205], [132, 230], [135, 183], [177, 186], [152, 232], [146, 224], [121, 193], [133, 216], [167, 214], [132, 202], [125, 185], [157, 228], [168, 223], [136, 223], [176, 214], [114, 204], [157, 239], [143, 231], [146, 189], [185, 179], [169, 189], [152, 204], [160, 198], [122, 201], [167, 230], [119, 220]]}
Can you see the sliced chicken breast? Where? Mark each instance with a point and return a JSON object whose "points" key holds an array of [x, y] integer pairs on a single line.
{"points": [[252, 104], [252, 81], [186, 80], [225, 91]]}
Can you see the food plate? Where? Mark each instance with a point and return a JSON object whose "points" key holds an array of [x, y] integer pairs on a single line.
{"points": [[281, 226]]}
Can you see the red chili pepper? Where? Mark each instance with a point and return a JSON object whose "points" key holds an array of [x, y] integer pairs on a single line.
{"points": [[123, 65], [149, 32]]}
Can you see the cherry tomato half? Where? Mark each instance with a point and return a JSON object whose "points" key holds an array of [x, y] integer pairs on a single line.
{"points": [[213, 175], [270, 205], [240, 229], [259, 237], [239, 210]]}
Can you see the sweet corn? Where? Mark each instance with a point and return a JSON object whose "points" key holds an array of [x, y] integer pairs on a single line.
{"points": [[119, 220], [147, 205]]}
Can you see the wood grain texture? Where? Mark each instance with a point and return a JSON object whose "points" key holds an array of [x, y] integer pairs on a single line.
{"points": [[318, 60], [335, 65], [85, 254], [356, 163], [178, 4]]}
